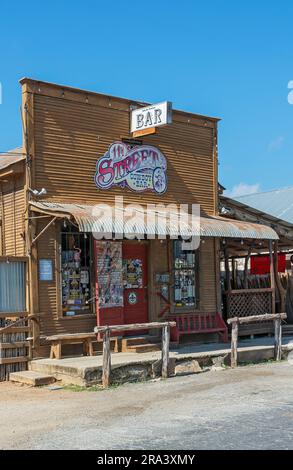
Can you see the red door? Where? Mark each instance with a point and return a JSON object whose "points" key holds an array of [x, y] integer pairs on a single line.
{"points": [[121, 283], [135, 282]]}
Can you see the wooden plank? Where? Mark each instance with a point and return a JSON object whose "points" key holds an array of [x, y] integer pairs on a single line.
{"points": [[14, 345], [13, 360], [71, 336], [13, 314], [248, 291], [165, 350], [14, 329], [254, 318], [106, 359], [134, 326], [234, 343], [150, 130]]}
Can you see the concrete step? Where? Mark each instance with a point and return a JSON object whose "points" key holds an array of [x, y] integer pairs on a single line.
{"points": [[143, 348], [30, 377]]}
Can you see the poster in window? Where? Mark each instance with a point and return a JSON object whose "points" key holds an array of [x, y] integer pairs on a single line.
{"points": [[132, 273], [109, 273]]}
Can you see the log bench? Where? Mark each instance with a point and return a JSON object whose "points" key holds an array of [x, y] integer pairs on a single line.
{"points": [[57, 341], [198, 323]]}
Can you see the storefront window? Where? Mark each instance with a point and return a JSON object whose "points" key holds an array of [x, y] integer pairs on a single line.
{"points": [[185, 266], [75, 273]]}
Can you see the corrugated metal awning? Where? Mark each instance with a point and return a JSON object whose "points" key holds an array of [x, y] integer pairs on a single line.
{"points": [[88, 219]]}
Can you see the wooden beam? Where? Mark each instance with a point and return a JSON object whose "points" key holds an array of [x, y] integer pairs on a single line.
{"points": [[134, 326], [44, 230], [106, 358], [165, 351], [254, 318], [234, 343], [278, 339], [272, 277]]}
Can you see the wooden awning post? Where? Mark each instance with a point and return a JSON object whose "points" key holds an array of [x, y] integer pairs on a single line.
{"points": [[106, 358], [234, 343], [272, 277], [278, 339], [282, 291], [165, 350]]}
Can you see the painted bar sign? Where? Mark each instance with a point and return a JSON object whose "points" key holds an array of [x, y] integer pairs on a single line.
{"points": [[140, 168], [151, 116]]}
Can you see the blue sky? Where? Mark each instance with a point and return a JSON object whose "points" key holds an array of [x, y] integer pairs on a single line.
{"points": [[227, 59]]}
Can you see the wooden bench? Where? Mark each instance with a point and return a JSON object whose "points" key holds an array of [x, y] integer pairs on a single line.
{"points": [[198, 323], [86, 339]]}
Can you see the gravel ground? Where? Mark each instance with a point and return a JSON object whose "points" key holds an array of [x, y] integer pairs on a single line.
{"points": [[247, 408]]}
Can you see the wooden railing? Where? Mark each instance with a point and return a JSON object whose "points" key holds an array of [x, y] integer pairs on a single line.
{"points": [[106, 331], [248, 302], [13, 344], [235, 322]]}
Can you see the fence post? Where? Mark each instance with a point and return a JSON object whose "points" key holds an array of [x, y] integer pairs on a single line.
{"points": [[165, 350], [106, 358], [278, 339], [234, 343]]}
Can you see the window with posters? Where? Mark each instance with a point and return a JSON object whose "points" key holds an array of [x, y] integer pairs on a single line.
{"points": [[76, 278], [132, 273], [185, 272], [109, 273]]}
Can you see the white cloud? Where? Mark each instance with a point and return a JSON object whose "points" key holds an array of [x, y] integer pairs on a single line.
{"points": [[276, 144], [242, 189]]}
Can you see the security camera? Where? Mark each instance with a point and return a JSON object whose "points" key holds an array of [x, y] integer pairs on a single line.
{"points": [[37, 193]]}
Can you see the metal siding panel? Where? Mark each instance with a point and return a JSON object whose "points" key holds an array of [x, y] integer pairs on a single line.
{"points": [[71, 136]]}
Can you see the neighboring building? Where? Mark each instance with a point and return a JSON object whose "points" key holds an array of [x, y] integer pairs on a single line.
{"points": [[76, 145], [278, 203]]}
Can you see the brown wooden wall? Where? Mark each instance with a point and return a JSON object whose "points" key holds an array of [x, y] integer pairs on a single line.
{"points": [[159, 261], [72, 131], [67, 132], [12, 207]]}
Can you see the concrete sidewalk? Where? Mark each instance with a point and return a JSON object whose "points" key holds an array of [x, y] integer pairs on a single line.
{"points": [[127, 367]]}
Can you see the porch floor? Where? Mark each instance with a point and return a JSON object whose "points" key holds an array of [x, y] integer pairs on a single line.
{"points": [[86, 370]]}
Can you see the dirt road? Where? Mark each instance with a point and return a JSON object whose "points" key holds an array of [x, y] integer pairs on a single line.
{"points": [[250, 407]]}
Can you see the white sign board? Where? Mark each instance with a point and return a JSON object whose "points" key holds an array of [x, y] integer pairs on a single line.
{"points": [[151, 116]]}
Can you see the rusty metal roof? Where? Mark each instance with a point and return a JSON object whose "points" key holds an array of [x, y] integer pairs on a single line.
{"points": [[88, 218], [10, 157]]}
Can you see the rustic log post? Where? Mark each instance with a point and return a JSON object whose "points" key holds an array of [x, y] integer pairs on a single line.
{"points": [[165, 350], [247, 258], [278, 339], [227, 268], [106, 358], [272, 277], [234, 343], [282, 291]]}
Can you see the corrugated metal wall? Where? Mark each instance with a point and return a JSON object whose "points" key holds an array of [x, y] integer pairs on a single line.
{"points": [[12, 205], [71, 136]]}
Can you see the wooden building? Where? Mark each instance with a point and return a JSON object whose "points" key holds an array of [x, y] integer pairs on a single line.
{"points": [[72, 281]]}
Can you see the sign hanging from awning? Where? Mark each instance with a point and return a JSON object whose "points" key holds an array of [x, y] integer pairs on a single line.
{"points": [[151, 116], [140, 168]]}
